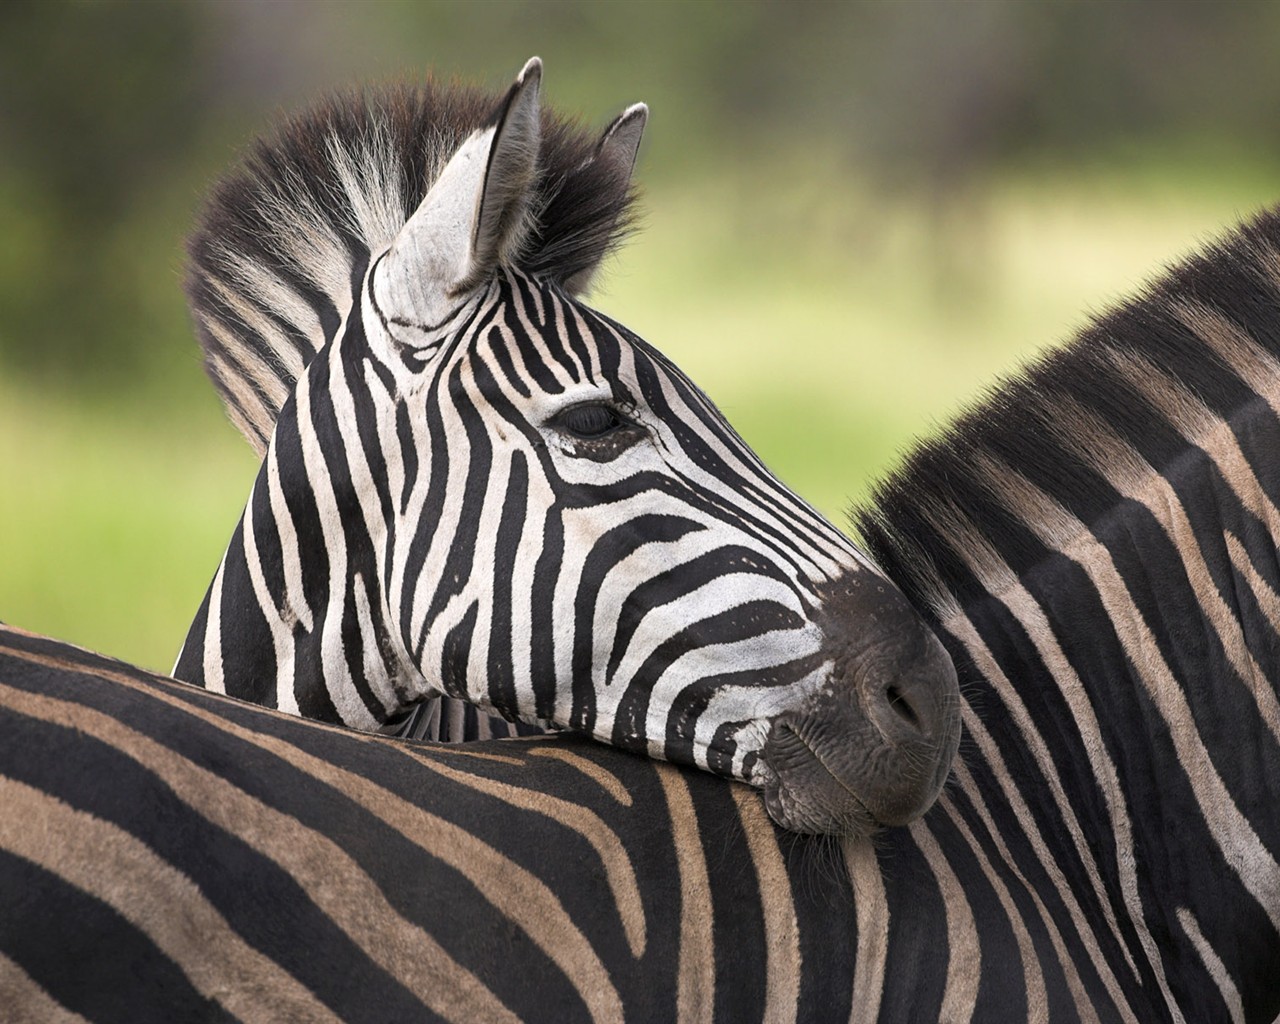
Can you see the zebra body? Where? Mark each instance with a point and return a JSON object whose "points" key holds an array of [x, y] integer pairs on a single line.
{"points": [[188, 857], [476, 487], [1096, 544]]}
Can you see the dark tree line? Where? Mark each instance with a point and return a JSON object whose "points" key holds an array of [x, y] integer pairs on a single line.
{"points": [[113, 114]]}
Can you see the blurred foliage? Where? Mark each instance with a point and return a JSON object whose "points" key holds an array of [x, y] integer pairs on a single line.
{"points": [[856, 213], [112, 113]]}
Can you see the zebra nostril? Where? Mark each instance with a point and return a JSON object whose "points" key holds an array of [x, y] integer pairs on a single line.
{"points": [[903, 712], [902, 706]]}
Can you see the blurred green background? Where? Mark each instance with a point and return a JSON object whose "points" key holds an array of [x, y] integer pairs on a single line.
{"points": [[856, 216]]}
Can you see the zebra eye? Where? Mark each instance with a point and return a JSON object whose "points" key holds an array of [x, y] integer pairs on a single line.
{"points": [[590, 421]]}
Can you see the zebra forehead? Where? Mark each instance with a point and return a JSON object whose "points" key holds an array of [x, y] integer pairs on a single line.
{"points": [[294, 225]]}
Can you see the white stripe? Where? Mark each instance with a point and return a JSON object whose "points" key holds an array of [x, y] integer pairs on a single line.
{"points": [[1214, 965], [281, 634], [213, 634]]}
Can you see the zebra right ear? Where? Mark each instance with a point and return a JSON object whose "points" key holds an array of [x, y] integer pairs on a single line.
{"points": [[474, 217]]}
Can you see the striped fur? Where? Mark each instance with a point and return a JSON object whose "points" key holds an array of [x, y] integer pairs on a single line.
{"points": [[187, 857], [481, 489], [1097, 545]]}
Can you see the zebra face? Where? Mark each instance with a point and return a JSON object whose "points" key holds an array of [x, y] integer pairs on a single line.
{"points": [[483, 489], [586, 543]]}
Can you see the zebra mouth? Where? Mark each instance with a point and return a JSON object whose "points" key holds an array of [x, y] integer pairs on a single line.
{"points": [[831, 781], [802, 794]]}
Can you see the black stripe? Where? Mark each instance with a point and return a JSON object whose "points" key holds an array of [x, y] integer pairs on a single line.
{"points": [[119, 973], [502, 689]]}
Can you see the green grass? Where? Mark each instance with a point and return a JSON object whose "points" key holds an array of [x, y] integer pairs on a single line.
{"points": [[830, 334], [114, 519]]}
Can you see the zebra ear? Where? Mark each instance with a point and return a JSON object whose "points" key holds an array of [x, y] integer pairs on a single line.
{"points": [[474, 217], [502, 216], [618, 147], [621, 140]]}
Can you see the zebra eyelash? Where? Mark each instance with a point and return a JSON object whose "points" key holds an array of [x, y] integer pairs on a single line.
{"points": [[574, 426], [592, 421]]}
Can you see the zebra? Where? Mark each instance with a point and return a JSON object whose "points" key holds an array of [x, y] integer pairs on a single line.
{"points": [[1095, 543], [170, 854], [476, 487]]}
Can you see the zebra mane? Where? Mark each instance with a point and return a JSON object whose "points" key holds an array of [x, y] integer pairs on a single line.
{"points": [[284, 239], [1061, 443]]}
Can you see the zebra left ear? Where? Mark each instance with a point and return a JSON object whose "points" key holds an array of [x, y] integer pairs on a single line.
{"points": [[618, 147], [474, 217], [621, 140]]}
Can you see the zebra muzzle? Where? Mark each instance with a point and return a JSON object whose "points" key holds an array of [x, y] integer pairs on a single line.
{"points": [[873, 747]]}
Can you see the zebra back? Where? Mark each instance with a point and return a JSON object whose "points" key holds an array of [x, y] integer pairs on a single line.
{"points": [[183, 854]]}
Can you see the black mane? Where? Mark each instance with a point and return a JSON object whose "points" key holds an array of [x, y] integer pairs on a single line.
{"points": [[1189, 351], [282, 237]]}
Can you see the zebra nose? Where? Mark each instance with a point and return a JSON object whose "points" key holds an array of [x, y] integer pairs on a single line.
{"points": [[906, 708], [888, 659], [874, 745]]}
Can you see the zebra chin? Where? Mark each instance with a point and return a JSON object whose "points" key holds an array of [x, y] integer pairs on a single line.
{"points": [[808, 789], [873, 747]]}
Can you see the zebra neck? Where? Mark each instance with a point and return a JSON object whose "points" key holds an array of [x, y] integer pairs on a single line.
{"points": [[1122, 704], [296, 617]]}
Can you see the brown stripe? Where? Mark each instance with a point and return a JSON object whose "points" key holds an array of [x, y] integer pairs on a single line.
{"points": [[25, 1002], [604, 840], [1214, 965], [606, 779], [1083, 1005], [1032, 973], [458, 750], [872, 910], [111, 865], [1268, 600], [964, 950], [696, 983], [517, 893], [781, 930]]}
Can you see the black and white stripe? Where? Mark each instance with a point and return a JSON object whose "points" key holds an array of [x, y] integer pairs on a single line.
{"points": [[1097, 545], [482, 489]]}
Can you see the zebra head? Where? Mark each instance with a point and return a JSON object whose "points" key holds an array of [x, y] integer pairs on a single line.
{"points": [[482, 488]]}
